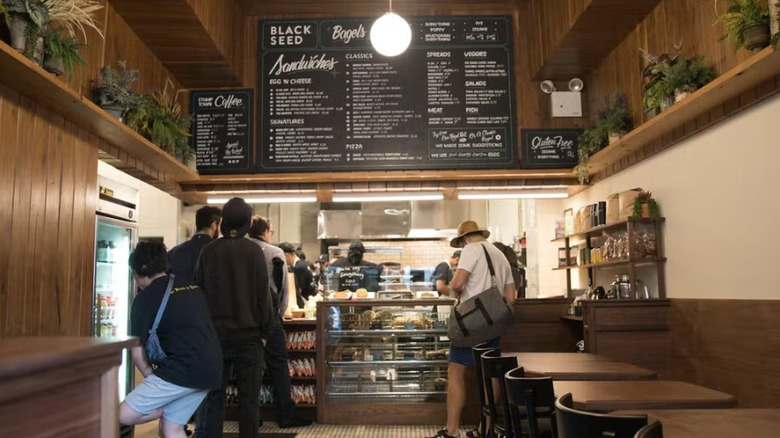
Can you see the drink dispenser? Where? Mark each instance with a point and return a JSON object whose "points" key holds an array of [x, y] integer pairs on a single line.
{"points": [[621, 288]]}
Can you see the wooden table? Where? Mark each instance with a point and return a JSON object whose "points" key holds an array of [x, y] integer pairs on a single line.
{"points": [[579, 366], [642, 394], [715, 423]]}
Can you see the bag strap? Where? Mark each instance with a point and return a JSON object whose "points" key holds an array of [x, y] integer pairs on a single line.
{"points": [[164, 303], [490, 266]]}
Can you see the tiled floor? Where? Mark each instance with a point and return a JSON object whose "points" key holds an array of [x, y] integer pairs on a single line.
{"points": [[321, 431]]}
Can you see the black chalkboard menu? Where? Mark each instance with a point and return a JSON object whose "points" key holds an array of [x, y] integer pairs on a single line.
{"points": [[221, 130], [330, 102], [550, 148]]}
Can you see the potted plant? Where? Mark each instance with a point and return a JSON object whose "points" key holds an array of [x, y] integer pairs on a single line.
{"points": [[161, 120], [747, 23], [61, 52], [26, 20], [686, 76], [75, 15], [113, 91], [646, 207], [591, 141], [776, 37], [674, 80], [615, 117], [655, 96]]}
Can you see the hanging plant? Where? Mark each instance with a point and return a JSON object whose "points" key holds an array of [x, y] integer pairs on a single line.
{"points": [[61, 52], [747, 23]]}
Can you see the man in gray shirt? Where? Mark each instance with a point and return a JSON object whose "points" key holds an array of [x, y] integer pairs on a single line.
{"points": [[276, 346]]}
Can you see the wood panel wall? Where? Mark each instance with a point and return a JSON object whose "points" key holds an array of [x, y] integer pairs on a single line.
{"points": [[48, 191], [671, 22], [220, 19], [548, 22], [728, 345]]}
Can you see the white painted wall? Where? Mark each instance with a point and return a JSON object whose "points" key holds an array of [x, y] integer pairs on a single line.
{"points": [[539, 221], [158, 212], [721, 201]]}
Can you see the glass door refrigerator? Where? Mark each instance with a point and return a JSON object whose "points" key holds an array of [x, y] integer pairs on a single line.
{"points": [[116, 234]]}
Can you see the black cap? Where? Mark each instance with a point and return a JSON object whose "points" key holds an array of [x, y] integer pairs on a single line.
{"points": [[236, 218], [287, 247], [323, 258], [357, 247], [456, 255]]}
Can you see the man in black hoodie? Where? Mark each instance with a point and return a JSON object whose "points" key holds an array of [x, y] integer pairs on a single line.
{"points": [[232, 273]]}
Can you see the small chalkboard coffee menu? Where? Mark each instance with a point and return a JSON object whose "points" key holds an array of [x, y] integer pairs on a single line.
{"points": [[328, 101], [221, 130], [550, 148]]}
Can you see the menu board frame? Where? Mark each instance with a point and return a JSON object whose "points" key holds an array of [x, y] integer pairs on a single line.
{"points": [[247, 163], [532, 161], [474, 145]]}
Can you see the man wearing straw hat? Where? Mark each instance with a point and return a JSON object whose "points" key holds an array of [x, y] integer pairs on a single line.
{"points": [[471, 278]]}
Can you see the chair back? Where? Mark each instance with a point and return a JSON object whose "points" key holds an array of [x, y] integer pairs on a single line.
{"points": [[653, 430], [477, 352], [531, 399], [573, 423], [494, 367]]}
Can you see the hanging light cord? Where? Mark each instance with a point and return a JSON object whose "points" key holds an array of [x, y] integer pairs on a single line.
{"points": [[391, 5]]}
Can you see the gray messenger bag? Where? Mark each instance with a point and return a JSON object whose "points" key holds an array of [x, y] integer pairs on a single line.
{"points": [[482, 317]]}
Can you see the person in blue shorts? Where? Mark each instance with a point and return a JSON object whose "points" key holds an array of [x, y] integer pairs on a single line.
{"points": [[471, 278], [174, 388]]}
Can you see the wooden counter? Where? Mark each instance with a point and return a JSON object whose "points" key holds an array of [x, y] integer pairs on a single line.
{"points": [[538, 327], [60, 386]]}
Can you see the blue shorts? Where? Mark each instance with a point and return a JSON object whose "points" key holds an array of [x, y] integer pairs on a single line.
{"points": [[463, 355], [178, 402]]}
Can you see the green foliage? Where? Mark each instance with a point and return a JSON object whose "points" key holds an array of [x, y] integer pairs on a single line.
{"points": [[160, 119], [615, 117], [115, 88], [646, 198], [666, 74], [775, 42], [741, 15], [65, 48]]}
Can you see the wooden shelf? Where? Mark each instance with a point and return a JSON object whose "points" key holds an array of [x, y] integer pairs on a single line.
{"points": [[572, 318], [608, 226], [33, 82], [307, 322], [299, 350], [616, 264], [740, 79]]}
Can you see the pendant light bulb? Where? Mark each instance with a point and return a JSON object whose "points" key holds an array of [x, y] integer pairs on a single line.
{"points": [[390, 34]]}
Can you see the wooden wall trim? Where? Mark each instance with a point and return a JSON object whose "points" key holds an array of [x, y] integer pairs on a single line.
{"points": [[729, 345]]}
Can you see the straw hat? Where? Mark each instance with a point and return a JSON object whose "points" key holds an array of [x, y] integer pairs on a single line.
{"points": [[467, 227]]}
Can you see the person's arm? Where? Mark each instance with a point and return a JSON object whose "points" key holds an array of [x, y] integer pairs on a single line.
{"points": [[459, 281], [265, 306], [509, 293], [138, 356], [285, 292], [441, 287], [307, 289]]}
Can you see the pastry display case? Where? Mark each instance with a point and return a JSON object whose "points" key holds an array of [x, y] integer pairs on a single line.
{"points": [[382, 354]]}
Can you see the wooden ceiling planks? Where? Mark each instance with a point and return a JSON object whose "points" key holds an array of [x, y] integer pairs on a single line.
{"points": [[576, 35], [193, 39], [352, 8]]}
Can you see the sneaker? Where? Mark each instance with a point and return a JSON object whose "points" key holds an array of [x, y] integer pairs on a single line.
{"points": [[443, 434], [295, 422]]}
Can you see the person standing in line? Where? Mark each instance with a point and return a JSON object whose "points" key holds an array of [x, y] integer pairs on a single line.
{"points": [[232, 273], [276, 345], [182, 258], [471, 278], [442, 275], [173, 389], [303, 277], [517, 272]]}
